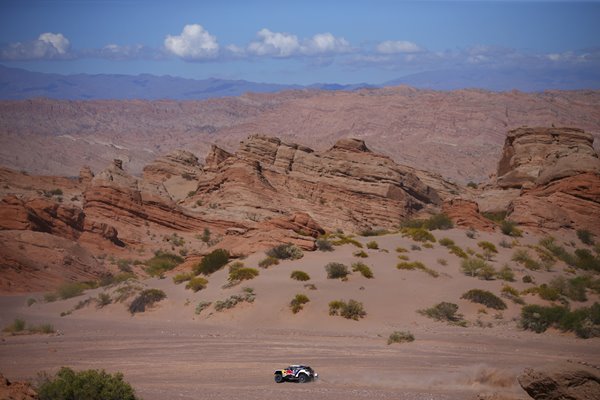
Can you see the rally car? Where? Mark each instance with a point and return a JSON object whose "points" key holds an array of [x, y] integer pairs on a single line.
{"points": [[296, 373]]}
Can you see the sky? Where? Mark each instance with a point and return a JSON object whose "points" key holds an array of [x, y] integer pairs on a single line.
{"points": [[299, 42]]}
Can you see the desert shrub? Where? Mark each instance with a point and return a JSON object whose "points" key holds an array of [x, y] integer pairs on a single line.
{"points": [[202, 306], [342, 239], [162, 262], [212, 262], [585, 236], [373, 245], [374, 232], [247, 296], [298, 302], [336, 270], [505, 244], [417, 265], [442, 261], [42, 328], [124, 265], [71, 289], [439, 221], [558, 251], [585, 322], [300, 276], [477, 267], [89, 385], [527, 279], [103, 300], [506, 274], [487, 246], [196, 284], [285, 252], [512, 294], [350, 310], [497, 217], [486, 298], [363, 269], [428, 245], [18, 325], [444, 311], [585, 260], [267, 262], [146, 299], [401, 250], [574, 289], [125, 292], [242, 274], [522, 256], [472, 185], [403, 257], [182, 277], [510, 228], [360, 253], [324, 244], [547, 293], [418, 234], [471, 233], [415, 247], [310, 286], [400, 337], [31, 301], [175, 240], [457, 251], [446, 242]]}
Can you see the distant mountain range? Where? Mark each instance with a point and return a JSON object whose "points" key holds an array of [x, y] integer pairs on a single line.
{"points": [[18, 83]]}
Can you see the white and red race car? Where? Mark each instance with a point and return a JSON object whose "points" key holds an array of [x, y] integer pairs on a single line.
{"points": [[296, 373]]}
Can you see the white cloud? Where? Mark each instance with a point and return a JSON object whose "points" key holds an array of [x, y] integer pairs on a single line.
{"points": [[274, 44], [47, 46], [397, 46], [325, 43], [194, 43]]}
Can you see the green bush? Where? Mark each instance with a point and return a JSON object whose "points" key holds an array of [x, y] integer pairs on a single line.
{"points": [[351, 310], [558, 251], [363, 269], [196, 284], [182, 277], [522, 256], [360, 253], [410, 266], [202, 306], [285, 252], [242, 274], [267, 262], [457, 251], [146, 299], [446, 242], [324, 244], [585, 236], [71, 289], [586, 261], [336, 270], [89, 385], [212, 262], [574, 288], [247, 296], [373, 245], [300, 276], [527, 279], [31, 301], [401, 250], [446, 312], [162, 262], [298, 302], [510, 228], [477, 267], [497, 217], [374, 232], [506, 274], [439, 221], [512, 294], [486, 298], [487, 246], [343, 239], [400, 337], [418, 234], [18, 325], [103, 300]]}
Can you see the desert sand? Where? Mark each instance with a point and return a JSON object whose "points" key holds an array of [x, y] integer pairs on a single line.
{"points": [[169, 352]]}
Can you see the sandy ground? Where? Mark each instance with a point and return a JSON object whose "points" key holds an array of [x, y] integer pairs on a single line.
{"points": [[172, 353]]}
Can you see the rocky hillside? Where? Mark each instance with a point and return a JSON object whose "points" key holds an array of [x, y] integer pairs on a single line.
{"points": [[457, 134]]}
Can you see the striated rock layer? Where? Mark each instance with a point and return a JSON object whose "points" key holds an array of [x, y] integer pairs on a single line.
{"points": [[562, 381], [346, 187]]}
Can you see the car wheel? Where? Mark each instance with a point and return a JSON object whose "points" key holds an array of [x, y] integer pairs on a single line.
{"points": [[303, 378], [278, 378]]}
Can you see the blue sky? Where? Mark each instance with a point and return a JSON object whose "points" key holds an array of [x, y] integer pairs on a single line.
{"points": [[296, 41]]}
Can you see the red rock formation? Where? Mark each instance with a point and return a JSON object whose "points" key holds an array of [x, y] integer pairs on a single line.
{"points": [[465, 213], [177, 163], [214, 158], [16, 390], [561, 381]]}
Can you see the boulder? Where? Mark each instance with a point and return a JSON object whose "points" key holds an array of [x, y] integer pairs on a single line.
{"points": [[562, 381]]}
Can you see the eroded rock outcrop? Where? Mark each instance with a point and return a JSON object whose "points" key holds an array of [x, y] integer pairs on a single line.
{"points": [[561, 381], [465, 213], [178, 163], [346, 187], [16, 390], [537, 156]]}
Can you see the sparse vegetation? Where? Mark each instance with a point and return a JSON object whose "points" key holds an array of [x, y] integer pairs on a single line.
{"points": [[401, 250], [400, 337], [19, 326], [374, 232], [182, 277], [512, 294], [247, 296], [242, 274], [360, 254], [510, 228], [212, 262], [522, 256], [505, 244], [162, 262], [486, 298], [103, 300], [373, 245], [446, 312], [146, 299], [506, 274], [410, 266], [31, 301], [202, 306], [477, 267], [442, 261], [487, 246], [418, 234], [497, 217], [196, 284], [457, 251], [324, 244], [363, 269], [342, 239], [351, 310], [298, 302], [300, 276], [471, 233], [71, 289], [415, 247], [285, 252], [527, 279], [585, 236], [336, 271], [585, 322], [89, 385], [206, 232], [267, 262], [446, 242]]}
